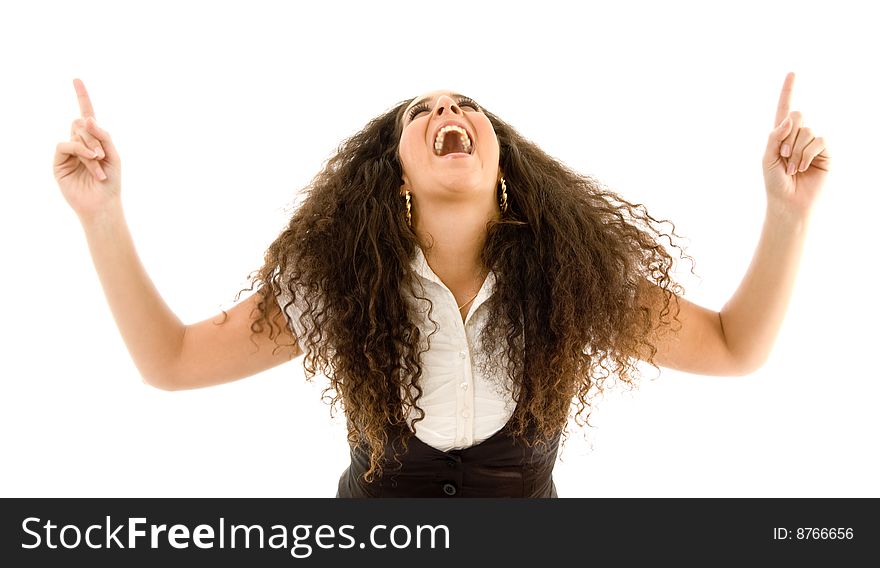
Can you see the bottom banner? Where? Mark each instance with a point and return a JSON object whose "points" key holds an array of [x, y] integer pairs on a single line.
{"points": [[325, 532]]}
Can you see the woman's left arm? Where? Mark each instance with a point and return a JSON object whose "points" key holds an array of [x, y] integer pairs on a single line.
{"points": [[738, 339]]}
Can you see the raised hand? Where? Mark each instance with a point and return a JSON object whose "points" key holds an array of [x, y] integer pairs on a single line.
{"points": [[87, 168], [796, 162]]}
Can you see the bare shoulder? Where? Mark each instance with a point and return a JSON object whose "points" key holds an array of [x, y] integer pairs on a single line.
{"points": [[224, 348]]}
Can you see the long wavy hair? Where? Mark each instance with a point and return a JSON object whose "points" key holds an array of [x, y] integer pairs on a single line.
{"points": [[572, 261]]}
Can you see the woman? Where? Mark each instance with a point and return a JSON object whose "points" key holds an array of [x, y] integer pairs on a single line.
{"points": [[460, 289]]}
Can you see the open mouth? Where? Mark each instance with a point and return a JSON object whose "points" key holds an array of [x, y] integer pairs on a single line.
{"points": [[452, 139]]}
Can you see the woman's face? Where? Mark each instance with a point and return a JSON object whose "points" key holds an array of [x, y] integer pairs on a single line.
{"points": [[447, 145]]}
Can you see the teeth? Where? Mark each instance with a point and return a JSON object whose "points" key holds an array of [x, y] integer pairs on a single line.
{"points": [[465, 140]]}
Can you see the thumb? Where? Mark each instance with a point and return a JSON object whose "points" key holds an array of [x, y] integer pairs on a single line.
{"points": [[110, 153], [777, 135], [783, 129]]}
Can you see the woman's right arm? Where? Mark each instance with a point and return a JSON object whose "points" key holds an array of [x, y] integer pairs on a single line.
{"points": [[168, 354]]}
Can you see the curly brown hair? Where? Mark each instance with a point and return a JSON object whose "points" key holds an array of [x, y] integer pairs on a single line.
{"points": [[572, 262]]}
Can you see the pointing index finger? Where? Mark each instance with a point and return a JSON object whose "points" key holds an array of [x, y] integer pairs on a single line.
{"points": [[85, 104], [784, 106]]}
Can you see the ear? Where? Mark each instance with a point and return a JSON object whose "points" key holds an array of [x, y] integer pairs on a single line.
{"points": [[404, 185]]}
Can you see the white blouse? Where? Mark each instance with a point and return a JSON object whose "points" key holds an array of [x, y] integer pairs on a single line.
{"points": [[462, 406]]}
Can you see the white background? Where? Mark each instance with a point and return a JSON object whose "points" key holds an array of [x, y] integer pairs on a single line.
{"points": [[223, 112]]}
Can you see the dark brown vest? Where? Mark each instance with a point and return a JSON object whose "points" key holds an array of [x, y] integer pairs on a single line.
{"points": [[499, 466]]}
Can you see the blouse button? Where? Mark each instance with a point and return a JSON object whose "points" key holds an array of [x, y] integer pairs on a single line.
{"points": [[462, 355], [465, 413], [464, 386]]}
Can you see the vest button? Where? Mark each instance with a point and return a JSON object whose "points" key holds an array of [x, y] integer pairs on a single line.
{"points": [[449, 489], [451, 463]]}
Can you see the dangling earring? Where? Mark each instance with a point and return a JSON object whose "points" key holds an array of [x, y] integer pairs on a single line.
{"points": [[408, 209], [503, 195]]}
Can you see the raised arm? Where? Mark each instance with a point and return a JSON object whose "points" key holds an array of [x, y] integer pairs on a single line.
{"points": [[168, 354], [222, 349], [697, 345], [738, 339]]}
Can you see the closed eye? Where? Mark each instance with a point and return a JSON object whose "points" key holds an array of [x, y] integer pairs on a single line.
{"points": [[418, 109], [468, 102], [463, 102]]}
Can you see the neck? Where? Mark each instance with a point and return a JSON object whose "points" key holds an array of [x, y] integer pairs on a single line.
{"points": [[452, 237]]}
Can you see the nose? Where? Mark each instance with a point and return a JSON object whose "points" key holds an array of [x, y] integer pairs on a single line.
{"points": [[446, 104]]}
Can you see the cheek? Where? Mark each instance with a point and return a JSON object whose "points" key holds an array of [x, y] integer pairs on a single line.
{"points": [[486, 134], [489, 143], [410, 149]]}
